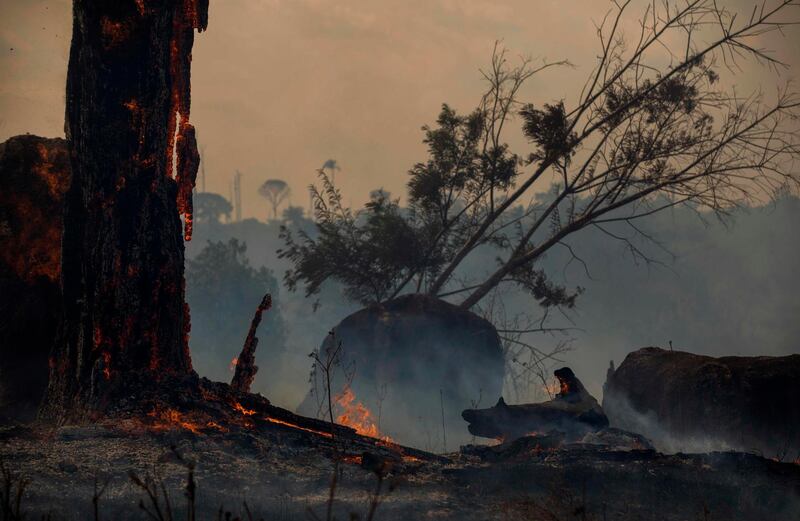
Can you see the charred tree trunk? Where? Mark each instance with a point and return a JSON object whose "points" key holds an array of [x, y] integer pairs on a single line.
{"points": [[246, 368], [125, 316]]}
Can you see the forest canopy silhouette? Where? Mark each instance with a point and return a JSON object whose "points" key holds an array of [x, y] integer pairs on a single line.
{"points": [[653, 128]]}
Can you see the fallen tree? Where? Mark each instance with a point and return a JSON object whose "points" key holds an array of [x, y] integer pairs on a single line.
{"points": [[684, 401], [572, 412]]}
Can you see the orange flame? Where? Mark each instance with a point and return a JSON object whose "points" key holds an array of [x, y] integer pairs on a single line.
{"points": [[552, 388], [357, 416], [233, 364]]}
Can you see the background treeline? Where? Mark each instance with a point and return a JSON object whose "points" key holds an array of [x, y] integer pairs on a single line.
{"points": [[705, 285]]}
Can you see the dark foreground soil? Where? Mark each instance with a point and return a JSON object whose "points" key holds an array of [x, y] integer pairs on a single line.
{"points": [[285, 475]]}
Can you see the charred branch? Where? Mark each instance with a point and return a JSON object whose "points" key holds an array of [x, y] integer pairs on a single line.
{"points": [[246, 368]]}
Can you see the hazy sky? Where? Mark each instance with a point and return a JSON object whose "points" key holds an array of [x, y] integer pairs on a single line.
{"points": [[279, 86]]}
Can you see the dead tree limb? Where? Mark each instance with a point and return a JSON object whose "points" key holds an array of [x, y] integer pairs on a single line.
{"points": [[246, 368]]}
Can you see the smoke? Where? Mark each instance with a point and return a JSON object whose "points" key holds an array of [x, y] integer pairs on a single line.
{"points": [[712, 287], [622, 415]]}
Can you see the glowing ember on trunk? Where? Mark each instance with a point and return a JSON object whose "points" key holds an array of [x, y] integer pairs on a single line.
{"points": [[239, 407]]}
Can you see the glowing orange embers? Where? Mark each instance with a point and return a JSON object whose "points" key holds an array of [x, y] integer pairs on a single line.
{"points": [[353, 459], [172, 419], [114, 32], [298, 427], [233, 364], [239, 407], [357, 416], [167, 419], [551, 389]]}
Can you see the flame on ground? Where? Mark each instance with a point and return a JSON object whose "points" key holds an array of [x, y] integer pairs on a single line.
{"points": [[357, 416]]}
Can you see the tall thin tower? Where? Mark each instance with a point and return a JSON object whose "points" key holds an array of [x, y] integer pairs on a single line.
{"points": [[203, 168], [237, 195]]}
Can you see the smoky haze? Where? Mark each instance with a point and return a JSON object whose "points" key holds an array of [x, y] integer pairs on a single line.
{"points": [[710, 286], [280, 87]]}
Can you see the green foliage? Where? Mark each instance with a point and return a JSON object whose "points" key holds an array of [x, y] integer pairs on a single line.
{"points": [[223, 291], [461, 162], [209, 207], [549, 129], [376, 251], [368, 251]]}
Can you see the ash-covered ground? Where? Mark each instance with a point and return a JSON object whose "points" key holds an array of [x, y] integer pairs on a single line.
{"points": [[285, 474]]}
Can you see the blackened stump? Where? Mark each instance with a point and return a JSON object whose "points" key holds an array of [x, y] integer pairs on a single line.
{"points": [[34, 175], [246, 368], [122, 251]]}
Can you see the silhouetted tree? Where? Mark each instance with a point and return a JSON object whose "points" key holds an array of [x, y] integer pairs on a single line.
{"points": [[223, 290], [209, 207], [275, 191], [652, 128], [330, 167]]}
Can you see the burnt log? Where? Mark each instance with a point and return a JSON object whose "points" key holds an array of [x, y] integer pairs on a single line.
{"points": [[688, 402], [246, 368], [122, 249], [34, 174], [573, 412]]}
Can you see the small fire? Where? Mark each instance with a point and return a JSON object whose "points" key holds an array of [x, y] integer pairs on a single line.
{"points": [[357, 416], [233, 364], [551, 389]]}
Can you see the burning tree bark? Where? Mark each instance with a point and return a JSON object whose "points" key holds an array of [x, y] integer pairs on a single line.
{"points": [[246, 368], [122, 252], [34, 175]]}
